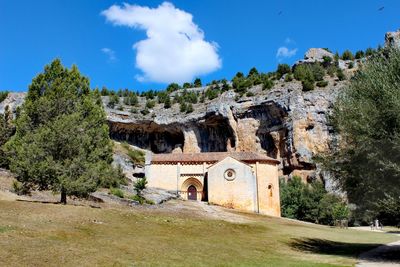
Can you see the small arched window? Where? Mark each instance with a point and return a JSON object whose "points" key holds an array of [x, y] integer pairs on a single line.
{"points": [[270, 189]]}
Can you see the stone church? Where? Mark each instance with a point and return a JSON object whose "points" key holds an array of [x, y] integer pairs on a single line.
{"points": [[246, 181]]}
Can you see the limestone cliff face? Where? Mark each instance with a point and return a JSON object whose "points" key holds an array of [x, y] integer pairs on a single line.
{"points": [[284, 123]]}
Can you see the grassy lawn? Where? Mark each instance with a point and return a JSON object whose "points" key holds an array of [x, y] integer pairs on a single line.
{"points": [[33, 234]]}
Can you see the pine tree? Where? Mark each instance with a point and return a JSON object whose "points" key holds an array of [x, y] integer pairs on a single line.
{"points": [[61, 141]]}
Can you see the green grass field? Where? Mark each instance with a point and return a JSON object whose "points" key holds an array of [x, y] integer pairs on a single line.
{"points": [[33, 234]]}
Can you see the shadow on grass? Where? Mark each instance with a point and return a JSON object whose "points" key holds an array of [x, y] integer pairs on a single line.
{"points": [[322, 246], [393, 232]]}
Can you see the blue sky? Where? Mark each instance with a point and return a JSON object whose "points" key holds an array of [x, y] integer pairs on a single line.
{"points": [[224, 37]]}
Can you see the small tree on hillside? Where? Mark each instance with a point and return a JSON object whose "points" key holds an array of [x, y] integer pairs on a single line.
{"points": [[140, 185], [61, 141], [282, 70], [6, 131], [197, 82]]}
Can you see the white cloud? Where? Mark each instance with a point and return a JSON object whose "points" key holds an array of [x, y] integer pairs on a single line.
{"points": [[175, 49], [284, 52], [289, 41], [110, 53]]}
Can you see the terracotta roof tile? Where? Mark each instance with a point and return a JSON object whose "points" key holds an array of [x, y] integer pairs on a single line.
{"points": [[211, 157]]}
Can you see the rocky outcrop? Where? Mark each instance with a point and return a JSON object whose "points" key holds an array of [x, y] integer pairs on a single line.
{"points": [[317, 54], [13, 100], [285, 123], [392, 39]]}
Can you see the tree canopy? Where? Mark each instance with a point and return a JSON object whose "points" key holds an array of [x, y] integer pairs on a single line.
{"points": [[366, 163], [61, 141], [311, 202]]}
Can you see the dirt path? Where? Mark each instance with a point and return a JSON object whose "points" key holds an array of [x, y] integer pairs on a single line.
{"points": [[382, 256]]}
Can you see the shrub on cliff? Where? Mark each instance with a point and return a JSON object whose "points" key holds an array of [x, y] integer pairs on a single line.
{"points": [[197, 82], [113, 100], [366, 165], [359, 54], [307, 85], [347, 55], [189, 108], [131, 99], [309, 72], [61, 141], [282, 70], [3, 95], [150, 104]]}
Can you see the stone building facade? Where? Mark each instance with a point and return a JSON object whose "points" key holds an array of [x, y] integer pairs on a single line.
{"points": [[246, 181]]}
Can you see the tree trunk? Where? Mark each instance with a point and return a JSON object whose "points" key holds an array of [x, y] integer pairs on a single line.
{"points": [[63, 197]]}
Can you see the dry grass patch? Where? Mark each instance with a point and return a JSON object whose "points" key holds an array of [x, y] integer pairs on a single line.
{"points": [[55, 235]]}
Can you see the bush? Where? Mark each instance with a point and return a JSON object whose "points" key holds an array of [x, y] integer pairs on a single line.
{"points": [[310, 202], [131, 99], [137, 156], [116, 192], [359, 54], [167, 103], [145, 111], [3, 95], [267, 84], [197, 82], [282, 70], [370, 51], [351, 65], [250, 94], [172, 87], [302, 73], [120, 107], [225, 85], [340, 74], [211, 93], [347, 55], [112, 101], [20, 189], [138, 198], [141, 200], [327, 61], [189, 108], [140, 185], [322, 83], [104, 91], [183, 107], [307, 85], [331, 70], [150, 104], [288, 78], [187, 85]]}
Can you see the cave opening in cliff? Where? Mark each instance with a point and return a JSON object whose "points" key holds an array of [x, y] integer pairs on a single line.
{"points": [[158, 140], [216, 135], [268, 144]]}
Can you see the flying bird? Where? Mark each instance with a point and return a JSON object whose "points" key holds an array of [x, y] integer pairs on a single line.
{"points": [[381, 8], [280, 13]]}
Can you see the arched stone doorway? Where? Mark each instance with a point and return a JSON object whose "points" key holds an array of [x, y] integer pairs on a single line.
{"points": [[192, 193], [192, 189]]}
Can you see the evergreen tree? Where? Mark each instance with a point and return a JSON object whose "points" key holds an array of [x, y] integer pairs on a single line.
{"points": [[167, 103], [61, 141], [197, 82], [7, 129], [366, 164], [282, 70]]}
